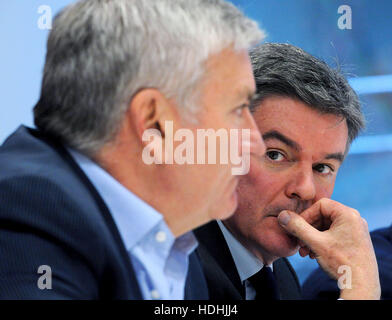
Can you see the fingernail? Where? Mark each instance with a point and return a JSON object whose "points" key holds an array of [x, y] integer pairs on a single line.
{"points": [[284, 218]]}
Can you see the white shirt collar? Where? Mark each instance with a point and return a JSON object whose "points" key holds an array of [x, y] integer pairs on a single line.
{"points": [[134, 217], [246, 262], [160, 260]]}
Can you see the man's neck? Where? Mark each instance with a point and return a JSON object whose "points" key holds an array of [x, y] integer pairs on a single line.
{"points": [[146, 182], [254, 248]]}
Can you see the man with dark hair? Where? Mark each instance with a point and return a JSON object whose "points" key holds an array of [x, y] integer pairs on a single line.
{"points": [[307, 115]]}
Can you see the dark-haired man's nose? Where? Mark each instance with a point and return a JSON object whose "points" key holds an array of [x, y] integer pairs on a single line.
{"points": [[302, 185]]}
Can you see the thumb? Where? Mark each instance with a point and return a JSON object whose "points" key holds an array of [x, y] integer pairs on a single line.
{"points": [[298, 227]]}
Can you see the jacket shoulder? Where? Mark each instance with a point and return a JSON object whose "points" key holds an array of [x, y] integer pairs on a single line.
{"points": [[48, 217]]}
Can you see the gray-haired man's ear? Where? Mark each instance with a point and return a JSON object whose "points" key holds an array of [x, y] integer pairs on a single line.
{"points": [[148, 109]]}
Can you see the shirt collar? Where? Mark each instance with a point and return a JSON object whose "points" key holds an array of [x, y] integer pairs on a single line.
{"points": [[134, 218], [246, 262]]}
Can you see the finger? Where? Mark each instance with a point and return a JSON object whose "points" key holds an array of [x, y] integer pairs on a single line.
{"points": [[298, 227], [322, 213]]}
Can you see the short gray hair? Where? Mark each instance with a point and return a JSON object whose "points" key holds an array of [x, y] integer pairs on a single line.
{"points": [[101, 52], [285, 70]]}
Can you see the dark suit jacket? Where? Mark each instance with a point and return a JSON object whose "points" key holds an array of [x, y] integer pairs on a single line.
{"points": [[222, 277], [320, 286], [50, 214]]}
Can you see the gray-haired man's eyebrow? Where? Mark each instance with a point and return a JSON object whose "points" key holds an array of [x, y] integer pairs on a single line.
{"points": [[253, 101], [274, 134], [253, 97]]}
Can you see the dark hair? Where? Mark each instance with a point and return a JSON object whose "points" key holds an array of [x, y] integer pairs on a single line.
{"points": [[285, 70]]}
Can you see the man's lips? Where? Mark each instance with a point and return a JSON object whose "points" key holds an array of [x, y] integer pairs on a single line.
{"points": [[290, 236], [275, 215], [277, 212]]}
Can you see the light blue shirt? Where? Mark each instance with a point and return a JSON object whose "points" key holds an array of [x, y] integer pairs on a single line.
{"points": [[159, 259], [246, 262]]}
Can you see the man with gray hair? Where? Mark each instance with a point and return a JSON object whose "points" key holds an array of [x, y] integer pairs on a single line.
{"points": [[82, 216], [308, 115]]}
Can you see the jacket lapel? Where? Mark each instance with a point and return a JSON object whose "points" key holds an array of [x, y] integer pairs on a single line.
{"points": [[212, 241]]}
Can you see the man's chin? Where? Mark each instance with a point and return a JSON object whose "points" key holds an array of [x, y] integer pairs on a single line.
{"points": [[282, 243], [283, 251], [287, 247]]}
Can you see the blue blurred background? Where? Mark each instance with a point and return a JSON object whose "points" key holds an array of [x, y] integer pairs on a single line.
{"points": [[363, 52]]}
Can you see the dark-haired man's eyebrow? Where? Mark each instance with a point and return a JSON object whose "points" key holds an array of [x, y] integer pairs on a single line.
{"points": [[335, 156], [274, 134]]}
